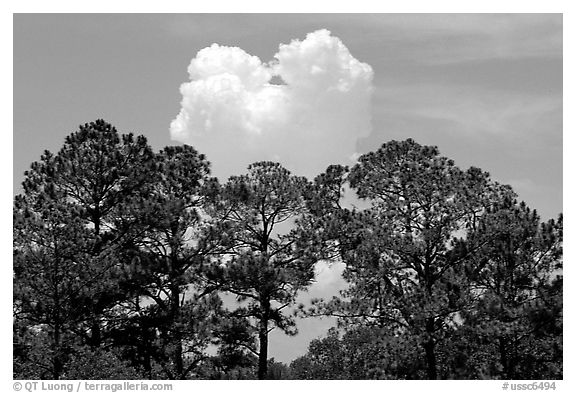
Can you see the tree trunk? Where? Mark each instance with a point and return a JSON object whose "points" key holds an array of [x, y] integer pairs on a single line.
{"points": [[263, 353], [96, 336], [56, 363], [176, 334], [507, 365], [263, 337], [144, 348], [429, 347]]}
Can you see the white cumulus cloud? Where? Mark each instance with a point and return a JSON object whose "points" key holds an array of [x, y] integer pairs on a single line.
{"points": [[233, 112]]}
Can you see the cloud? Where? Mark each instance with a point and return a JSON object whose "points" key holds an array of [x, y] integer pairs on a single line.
{"points": [[306, 108]]}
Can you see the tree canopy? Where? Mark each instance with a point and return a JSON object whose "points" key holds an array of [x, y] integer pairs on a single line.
{"points": [[130, 263]]}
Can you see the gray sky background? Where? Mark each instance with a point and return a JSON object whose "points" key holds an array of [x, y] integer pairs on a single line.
{"points": [[486, 89]]}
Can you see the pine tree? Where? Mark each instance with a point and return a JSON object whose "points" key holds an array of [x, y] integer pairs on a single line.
{"points": [[399, 251], [518, 279], [71, 224], [179, 238], [266, 264]]}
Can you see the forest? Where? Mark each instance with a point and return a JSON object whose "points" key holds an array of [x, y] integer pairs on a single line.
{"points": [[123, 259]]}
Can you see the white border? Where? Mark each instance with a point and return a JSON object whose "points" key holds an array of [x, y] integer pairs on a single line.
{"points": [[306, 6]]}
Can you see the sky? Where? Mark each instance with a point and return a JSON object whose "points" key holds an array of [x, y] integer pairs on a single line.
{"points": [[307, 90]]}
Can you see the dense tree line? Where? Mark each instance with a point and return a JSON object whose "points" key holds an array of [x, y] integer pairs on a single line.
{"points": [[126, 262]]}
